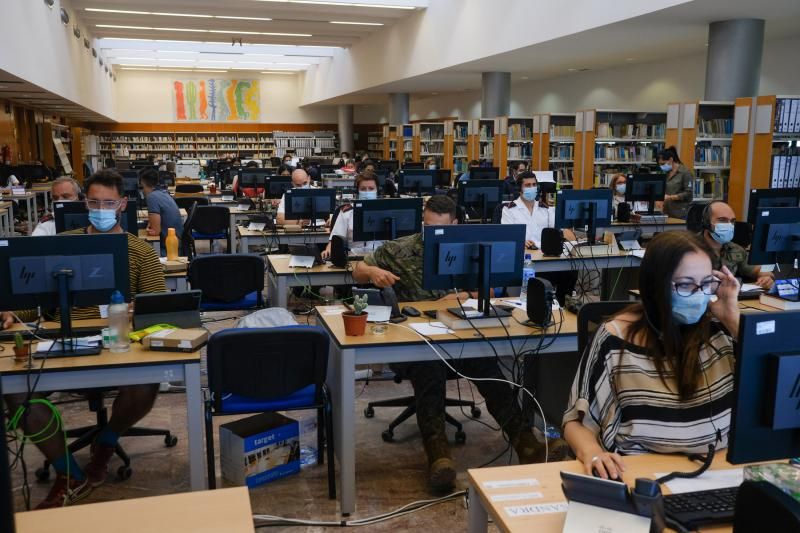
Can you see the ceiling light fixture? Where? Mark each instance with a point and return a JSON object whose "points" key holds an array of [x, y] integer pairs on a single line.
{"points": [[340, 4], [64, 17], [356, 23], [281, 72], [174, 69], [162, 14], [230, 32]]}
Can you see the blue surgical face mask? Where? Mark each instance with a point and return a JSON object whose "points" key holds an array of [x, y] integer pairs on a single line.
{"points": [[620, 188], [666, 167], [306, 186], [432, 167], [103, 219], [723, 232], [367, 195], [689, 309], [530, 193]]}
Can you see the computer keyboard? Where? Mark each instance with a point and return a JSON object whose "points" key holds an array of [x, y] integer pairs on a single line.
{"points": [[705, 507]]}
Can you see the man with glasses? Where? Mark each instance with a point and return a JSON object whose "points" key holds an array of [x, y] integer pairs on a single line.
{"points": [[105, 200], [63, 189]]}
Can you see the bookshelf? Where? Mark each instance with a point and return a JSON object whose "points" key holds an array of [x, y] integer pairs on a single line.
{"points": [[766, 147], [610, 141], [457, 145], [406, 142], [554, 145], [513, 141], [375, 144], [483, 140], [429, 141], [390, 140]]}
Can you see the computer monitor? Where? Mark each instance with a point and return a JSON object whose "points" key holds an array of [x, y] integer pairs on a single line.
{"points": [[481, 196], [417, 181], [765, 425], [444, 178], [392, 165], [63, 271], [254, 178], [130, 186], [583, 208], [166, 178], [277, 186], [309, 204], [646, 188], [484, 173], [386, 219], [74, 215], [413, 165], [776, 236], [141, 164], [771, 198], [382, 174], [326, 169], [468, 257]]}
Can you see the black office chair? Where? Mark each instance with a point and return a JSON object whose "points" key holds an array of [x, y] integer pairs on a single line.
{"points": [[84, 436], [188, 188], [186, 202], [212, 223], [167, 178], [228, 281], [497, 214], [187, 248], [694, 217], [265, 370]]}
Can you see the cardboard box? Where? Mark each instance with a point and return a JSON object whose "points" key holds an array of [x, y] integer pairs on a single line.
{"points": [[179, 265], [176, 340], [259, 449]]}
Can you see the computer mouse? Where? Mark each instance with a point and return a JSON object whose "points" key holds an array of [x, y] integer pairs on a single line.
{"points": [[410, 311]]}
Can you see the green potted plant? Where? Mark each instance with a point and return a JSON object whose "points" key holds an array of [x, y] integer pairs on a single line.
{"points": [[21, 350], [355, 321]]}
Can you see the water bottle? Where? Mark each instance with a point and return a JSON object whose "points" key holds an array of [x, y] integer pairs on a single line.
{"points": [[118, 324], [528, 272]]}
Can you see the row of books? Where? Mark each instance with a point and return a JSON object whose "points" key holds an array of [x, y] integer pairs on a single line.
{"points": [[520, 151], [710, 185], [460, 149], [562, 151], [627, 154], [519, 131], [785, 171], [486, 131], [486, 151], [631, 131], [712, 155], [715, 127], [787, 115], [460, 132], [431, 148], [460, 166], [562, 131], [431, 134], [563, 174]]}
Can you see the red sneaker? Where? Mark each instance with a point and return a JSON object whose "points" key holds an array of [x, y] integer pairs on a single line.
{"points": [[97, 467], [64, 493]]}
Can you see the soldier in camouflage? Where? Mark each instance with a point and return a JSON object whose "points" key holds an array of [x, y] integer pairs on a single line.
{"points": [[399, 264]]}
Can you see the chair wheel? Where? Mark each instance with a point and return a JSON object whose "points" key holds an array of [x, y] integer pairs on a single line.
{"points": [[170, 441], [476, 412], [369, 412], [387, 435], [461, 437], [124, 472], [42, 474]]}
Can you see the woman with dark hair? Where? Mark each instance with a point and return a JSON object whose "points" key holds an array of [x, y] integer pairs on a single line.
{"points": [[658, 376], [678, 192]]}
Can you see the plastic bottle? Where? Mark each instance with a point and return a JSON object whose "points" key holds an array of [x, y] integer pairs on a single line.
{"points": [[118, 324], [171, 243], [528, 272]]}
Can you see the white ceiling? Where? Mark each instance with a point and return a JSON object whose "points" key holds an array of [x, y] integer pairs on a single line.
{"points": [[21, 92]]}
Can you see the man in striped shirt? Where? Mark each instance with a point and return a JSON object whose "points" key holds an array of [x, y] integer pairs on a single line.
{"points": [[106, 201]]}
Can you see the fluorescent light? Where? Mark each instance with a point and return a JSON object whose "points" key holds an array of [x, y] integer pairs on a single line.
{"points": [[174, 59], [261, 33], [134, 58], [356, 23], [161, 69], [229, 32], [281, 72], [138, 68], [339, 4], [134, 65], [161, 14]]}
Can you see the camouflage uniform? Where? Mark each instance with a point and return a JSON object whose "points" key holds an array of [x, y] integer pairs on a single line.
{"points": [[734, 257], [403, 257]]}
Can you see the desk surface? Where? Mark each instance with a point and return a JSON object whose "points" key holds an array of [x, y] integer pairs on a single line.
{"points": [[331, 319], [196, 512], [247, 232], [550, 487], [279, 264], [670, 222]]}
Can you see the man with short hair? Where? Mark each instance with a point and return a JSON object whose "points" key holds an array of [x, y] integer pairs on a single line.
{"points": [[510, 183], [465, 175], [300, 180], [398, 264], [718, 225], [105, 200], [63, 189], [162, 211]]}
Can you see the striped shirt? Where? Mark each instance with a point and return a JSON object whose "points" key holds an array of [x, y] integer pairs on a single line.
{"points": [[619, 395]]}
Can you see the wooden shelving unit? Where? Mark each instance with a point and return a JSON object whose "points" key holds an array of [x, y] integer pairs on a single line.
{"points": [[405, 142], [483, 140], [554, 145], [429, 141], [375, 144], [456, 145], [390, 140], [513, 141]]}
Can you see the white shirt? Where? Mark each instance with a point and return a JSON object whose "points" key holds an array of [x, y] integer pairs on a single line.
{"points": [[535, 221], [344, 228], [45, 229]]}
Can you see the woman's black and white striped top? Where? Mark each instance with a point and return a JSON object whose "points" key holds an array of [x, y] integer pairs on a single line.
{"points": [[619, 395]]}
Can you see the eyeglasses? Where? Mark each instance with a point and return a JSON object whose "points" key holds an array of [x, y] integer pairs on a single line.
{"points": [[686, 288], [103, 204]]}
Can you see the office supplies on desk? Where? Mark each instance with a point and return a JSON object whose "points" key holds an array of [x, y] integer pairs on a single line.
{"points": [[181, 309]]}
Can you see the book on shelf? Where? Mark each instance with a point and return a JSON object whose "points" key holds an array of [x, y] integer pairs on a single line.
{"points": [[624, 153], [563, 175], [460, 132], [712, 155], [785, 171], [562, 151], [520, 151], [631, 131], [460, 149], [431, 134], [486, 151], [787, 115], [486, 132], [562, 131], [715, 127], [710, 184], [519, 131]]}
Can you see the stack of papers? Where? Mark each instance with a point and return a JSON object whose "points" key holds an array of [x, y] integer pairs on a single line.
{"points": [[81, 342]]}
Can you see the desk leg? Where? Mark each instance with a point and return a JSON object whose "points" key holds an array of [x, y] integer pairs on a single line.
{"points": [[181, 284], [244, 244], [157, 247], [281, 292], [232, 229], [477, 517], [341, 379], [194, 415]]}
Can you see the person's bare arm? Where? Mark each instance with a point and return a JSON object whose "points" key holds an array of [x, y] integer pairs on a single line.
{"points": [[153, 224], [281, 219], [589, 452]]}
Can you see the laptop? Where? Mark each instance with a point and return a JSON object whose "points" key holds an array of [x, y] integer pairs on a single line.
{"points": [[179, 308]]}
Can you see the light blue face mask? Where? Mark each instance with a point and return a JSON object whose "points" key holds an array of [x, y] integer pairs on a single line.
{"points": [[530, 193], [306, 186], [689, 309], [666, 167], [723, 232], [367, 195], [621, 188], [103, 219]]}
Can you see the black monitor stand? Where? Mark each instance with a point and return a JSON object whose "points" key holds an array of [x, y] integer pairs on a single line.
{"points": [[651, 202], [484, 289], [69, 345], [591, 231]]}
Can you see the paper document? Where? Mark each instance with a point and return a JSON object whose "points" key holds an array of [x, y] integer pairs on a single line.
{"points": [[638, 253], [630, 245], [431, 328], [378, 313], [82, 342], [747, 287], [257, 226], [709, 480], [301, 261]]}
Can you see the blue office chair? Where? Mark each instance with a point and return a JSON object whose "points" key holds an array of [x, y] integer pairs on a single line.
{"points": [[265, 370], [228, 282], [212, 223]]}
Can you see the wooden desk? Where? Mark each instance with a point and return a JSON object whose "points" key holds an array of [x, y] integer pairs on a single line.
{"points": [[30, 201], [564, 262], [400, 344], [672, 224], [194, 512], [176, 280], [43, 189], [152, 240], [6, 220], [135, 367], [481, 504], [248, 238], [280, 276]]}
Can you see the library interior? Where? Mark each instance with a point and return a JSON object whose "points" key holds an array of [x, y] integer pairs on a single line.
{"points": [[468, 265]]}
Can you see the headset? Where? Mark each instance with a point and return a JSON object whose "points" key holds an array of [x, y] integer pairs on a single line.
{"points": [[705, 218]]}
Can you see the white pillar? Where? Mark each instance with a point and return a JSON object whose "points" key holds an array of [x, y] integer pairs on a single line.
{"points": [[398, 108], [733, 62], [346, 129], [496, 94]]}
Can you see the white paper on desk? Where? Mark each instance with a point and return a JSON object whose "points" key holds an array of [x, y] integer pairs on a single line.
{"points": [[708, 480], [583, 518], [524, 305], [431, 328], [228, 198], [631, 245], [81, 342], [638, 253], [334, 311], [747, 287], [301, 261], [257, 226], [378, 313], [539, 508]]}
